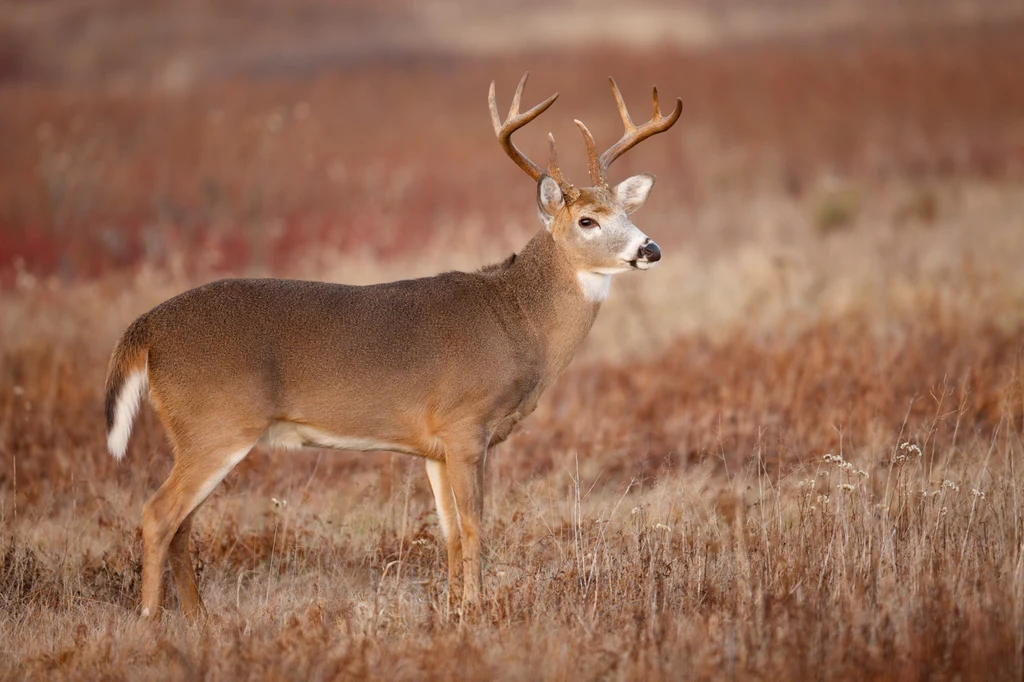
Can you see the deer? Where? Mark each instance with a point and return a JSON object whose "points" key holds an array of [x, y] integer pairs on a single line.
{"points": [[442, 367]]}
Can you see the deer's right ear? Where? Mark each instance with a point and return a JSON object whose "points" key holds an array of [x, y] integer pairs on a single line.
{"points": [[549, 199]]}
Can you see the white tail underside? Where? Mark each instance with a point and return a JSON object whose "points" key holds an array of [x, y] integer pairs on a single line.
{"points": [[127, 407]]}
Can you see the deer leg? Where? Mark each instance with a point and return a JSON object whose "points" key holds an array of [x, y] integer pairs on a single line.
{"points": [[190, 482], [465, 471], [183, 571], [448, 515]]}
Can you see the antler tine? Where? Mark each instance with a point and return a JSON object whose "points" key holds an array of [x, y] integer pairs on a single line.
{"points": [[634, 134], [593, 163], [553, 169], [513, 110], [627, 122], [568, 189], [514, 122], [492, 104]]}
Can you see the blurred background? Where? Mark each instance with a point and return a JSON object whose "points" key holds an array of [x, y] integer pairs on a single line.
{"points": [[269, 137], [853, 164]]}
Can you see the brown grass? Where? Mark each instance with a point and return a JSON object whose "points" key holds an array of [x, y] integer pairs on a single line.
{"points": [[792, 452], [673, 517]]}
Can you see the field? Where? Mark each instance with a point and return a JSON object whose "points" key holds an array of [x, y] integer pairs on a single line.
{"points": [[792, 451]]}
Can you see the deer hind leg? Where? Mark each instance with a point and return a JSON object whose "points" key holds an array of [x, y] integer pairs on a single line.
{"points": [[448, 515], [465, 464], [184, 573], [191, 481]]}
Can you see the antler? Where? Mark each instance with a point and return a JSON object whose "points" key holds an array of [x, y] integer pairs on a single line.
{"points": [[513, 122], [633, 136]]}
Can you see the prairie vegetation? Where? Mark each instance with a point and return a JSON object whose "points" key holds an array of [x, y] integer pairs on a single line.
{"points": [[791, 451]]}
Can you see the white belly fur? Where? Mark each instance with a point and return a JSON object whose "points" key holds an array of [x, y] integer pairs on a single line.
{"points": [[292, 435]]}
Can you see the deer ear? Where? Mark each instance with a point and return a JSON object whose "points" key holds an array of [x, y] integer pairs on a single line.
{"points": [[549, 198], [633, 192]]}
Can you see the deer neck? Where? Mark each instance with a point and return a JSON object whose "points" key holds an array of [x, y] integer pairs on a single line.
{"points": [[554, 299]]}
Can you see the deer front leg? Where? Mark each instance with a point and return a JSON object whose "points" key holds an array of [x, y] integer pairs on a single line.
{"points": [[448, 516], [465, 471]]}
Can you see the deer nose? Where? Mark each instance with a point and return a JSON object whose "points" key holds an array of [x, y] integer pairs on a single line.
{"points": [[650, 252]]}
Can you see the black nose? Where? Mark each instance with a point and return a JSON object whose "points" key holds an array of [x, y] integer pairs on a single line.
{"points": [[650, 252]]}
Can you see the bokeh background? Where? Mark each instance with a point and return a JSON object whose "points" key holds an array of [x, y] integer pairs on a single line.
{"points": [[842, 218], [249, 135]]}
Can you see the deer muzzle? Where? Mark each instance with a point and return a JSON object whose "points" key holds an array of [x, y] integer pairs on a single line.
{"points": [[649, 253]]}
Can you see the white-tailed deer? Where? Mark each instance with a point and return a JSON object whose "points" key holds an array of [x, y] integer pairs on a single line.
{"points": [[441, 367]]}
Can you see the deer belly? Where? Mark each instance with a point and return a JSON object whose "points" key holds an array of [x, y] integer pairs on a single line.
{"points": [[293, 435]]}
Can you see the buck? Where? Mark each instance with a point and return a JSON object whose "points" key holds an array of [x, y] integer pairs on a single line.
{"points": [[442, 367]]}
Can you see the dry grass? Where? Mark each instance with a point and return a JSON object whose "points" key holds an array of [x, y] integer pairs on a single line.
{"points": [[672, 518], [792, 452]]}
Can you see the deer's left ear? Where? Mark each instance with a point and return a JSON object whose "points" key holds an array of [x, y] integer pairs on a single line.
{"points": [[549, 199], [633, 192]]}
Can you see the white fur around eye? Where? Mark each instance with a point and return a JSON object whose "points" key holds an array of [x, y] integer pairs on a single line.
{"points": [[589, 233], [632, 192]]}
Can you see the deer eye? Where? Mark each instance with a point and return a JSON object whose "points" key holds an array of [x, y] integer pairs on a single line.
{"points": [[588, 222]]}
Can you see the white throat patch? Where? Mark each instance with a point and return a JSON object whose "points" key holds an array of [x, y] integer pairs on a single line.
{"points": [[594, 285]]}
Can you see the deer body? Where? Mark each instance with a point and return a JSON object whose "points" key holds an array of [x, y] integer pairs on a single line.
{"points": [[408, 360], [441, 367]]}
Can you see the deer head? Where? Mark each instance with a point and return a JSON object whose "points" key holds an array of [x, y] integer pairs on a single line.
{"points": [[591, 224]]}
